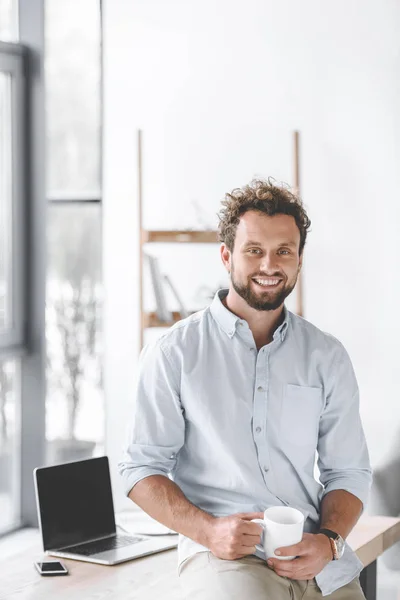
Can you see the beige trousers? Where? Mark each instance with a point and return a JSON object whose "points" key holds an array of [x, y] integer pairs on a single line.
{"points": [[206, 577]]}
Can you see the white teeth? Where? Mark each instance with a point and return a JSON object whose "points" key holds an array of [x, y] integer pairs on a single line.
{"points": [[267, 281]]}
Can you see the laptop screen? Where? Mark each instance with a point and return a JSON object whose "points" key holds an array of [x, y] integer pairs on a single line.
{"points": [[75, 502]]}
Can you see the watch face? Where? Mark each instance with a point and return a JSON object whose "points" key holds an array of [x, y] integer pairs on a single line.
{"points": [[339, 542]]}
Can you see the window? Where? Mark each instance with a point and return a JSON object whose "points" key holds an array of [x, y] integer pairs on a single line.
{"points": [[74, 403], [74, 407], [8, 20], [12, 270], [73, 103], [9, 443], [11, 201], [6, 195]]}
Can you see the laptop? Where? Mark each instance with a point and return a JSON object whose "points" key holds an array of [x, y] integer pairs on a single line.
{"points": [[76, 515]]}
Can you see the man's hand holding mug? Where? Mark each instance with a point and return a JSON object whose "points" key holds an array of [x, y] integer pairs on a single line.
{"points": [[279, 533], [289, 551], [234, 536], [313, 553]]}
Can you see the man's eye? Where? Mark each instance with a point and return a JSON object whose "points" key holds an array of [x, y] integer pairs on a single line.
{"points": [[254, 251], [285, 251]]}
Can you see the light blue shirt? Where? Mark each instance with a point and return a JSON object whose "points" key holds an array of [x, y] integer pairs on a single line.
{"points": [[238, 429]]}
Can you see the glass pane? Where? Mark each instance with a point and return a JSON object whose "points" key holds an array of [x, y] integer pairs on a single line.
{"points": [[9, 443], [74, 406], [72, 66], [8, 20], [5, 201]]}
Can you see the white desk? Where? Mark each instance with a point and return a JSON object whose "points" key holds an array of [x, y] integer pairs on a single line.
{"points": [[155, 577]]}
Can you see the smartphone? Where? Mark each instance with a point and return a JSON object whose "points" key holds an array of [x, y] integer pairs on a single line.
{"points": [[51, 567]]}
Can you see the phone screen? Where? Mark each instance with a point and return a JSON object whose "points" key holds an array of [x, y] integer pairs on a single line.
{"points": [[51, 567]]}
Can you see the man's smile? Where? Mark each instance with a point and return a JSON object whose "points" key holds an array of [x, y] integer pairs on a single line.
{"points": [[267, 283]]}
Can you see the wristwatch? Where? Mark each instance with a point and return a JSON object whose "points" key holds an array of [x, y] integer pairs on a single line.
{"points": [[337, 542]]}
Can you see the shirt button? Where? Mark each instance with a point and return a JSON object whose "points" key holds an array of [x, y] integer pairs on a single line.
{"points": [[173, 455], [265, 468], [260, 388], [258, 429]]}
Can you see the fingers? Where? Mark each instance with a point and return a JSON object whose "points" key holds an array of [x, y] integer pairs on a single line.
{"points": [[299, 549], [251, 528], [246, 550], [294, 569], [283, 566], [251, 540], [250, 516]]}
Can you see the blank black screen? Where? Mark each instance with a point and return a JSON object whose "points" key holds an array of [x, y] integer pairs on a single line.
{"points": [[49, 567], [75, 501]]}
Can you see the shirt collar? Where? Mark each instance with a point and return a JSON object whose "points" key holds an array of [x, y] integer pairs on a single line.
{"points": [[228, 321]]}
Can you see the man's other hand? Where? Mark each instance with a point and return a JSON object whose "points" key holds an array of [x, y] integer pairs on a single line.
{"points": [[234, 536], [313, 553]]}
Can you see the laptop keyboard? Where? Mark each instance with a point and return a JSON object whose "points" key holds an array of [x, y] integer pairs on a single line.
{"points": [[103, 545]]}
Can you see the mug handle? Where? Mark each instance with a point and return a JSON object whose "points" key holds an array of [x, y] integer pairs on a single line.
{"points": [[261, 522]]}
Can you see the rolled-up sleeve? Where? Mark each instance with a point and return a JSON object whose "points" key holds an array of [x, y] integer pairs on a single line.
{"points": [[157, 431], [343, 455]]}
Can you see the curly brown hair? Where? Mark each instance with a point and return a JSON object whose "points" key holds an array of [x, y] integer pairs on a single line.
{"points": [[267, 197]]}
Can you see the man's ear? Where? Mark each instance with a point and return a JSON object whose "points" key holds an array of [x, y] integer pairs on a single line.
{"points": [[226, 256], [300, 262]]}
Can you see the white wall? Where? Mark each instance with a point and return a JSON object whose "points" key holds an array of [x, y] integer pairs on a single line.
{"points": [[217, 88]]}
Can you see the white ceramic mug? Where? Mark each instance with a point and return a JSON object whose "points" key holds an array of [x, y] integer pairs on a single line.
{"points": [[283, 526]]}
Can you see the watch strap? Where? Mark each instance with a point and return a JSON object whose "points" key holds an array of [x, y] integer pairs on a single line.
{"points": [[334, 549], [328, 532], [332, 537]]}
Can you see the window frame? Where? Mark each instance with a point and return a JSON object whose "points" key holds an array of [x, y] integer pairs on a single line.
{"points": [[13, 338], [33, 383], [28, 345]]}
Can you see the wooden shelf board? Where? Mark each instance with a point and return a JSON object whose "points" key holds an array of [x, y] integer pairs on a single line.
{"points": [[151, 320], [191, 237]]}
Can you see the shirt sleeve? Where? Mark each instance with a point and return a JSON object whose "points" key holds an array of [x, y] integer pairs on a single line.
{"points": [[157, 429], [343, 458]]}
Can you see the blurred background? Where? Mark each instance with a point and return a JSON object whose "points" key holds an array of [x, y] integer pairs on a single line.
{"points": [[138, 116]]}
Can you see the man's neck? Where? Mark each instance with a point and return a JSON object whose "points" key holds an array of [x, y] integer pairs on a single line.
{"points": [[262, 323]]}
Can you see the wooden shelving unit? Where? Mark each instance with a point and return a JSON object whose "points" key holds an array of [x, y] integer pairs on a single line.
{"points": [[296, 186], [150, 319], [186, 237], [193, 237]]}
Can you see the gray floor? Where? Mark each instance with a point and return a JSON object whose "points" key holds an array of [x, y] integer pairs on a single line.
{"points": [[6, 513], [388, 583]]}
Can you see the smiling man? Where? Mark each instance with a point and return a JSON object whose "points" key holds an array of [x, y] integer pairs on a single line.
{"points": [[264, 262], [231, 407]]}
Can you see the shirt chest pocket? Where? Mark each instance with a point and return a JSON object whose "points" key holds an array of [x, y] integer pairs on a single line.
{"points": [[301, 411]]}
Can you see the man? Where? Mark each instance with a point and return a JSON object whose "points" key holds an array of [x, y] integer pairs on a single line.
{"points": [[233, 403]]}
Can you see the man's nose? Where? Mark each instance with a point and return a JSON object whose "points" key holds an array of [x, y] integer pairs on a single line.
{"points": [[269, 263]]}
